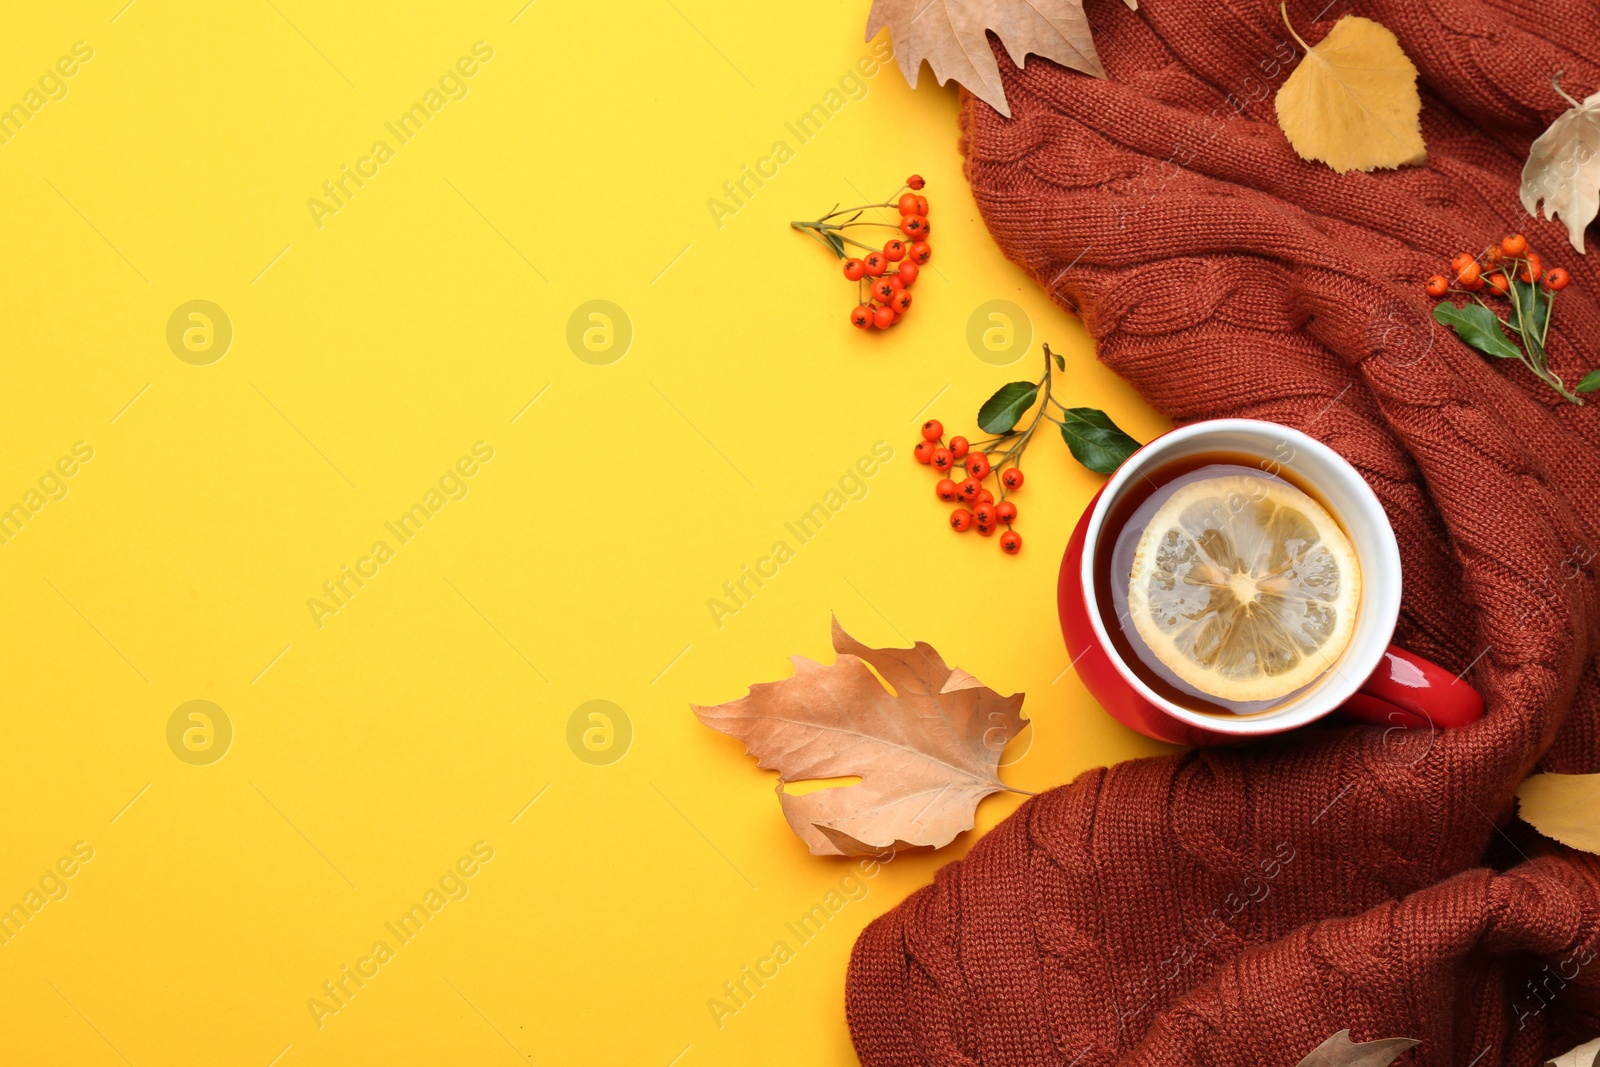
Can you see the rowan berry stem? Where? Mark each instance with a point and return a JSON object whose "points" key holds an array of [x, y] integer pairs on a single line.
{"points": [[1021, 439], [862, 207], [886, 272]]}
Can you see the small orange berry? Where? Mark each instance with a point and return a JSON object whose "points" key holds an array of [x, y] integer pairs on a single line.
{"points": [[1437, 286], [1514, 244], [1459, 261], [1535, 269], [1557, 278], [1499, 283], [1470, 273]]}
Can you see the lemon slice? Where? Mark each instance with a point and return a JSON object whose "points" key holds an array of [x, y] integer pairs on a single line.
{"points": [[1244, 587]]}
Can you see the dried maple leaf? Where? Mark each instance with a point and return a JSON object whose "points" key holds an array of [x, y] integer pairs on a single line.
{"points": [[926, 752], [949, 34], [1339, 1051], [1563, 806], [1352, 103], [1563, 167]]}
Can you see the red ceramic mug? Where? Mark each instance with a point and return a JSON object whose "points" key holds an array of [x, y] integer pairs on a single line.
{"points": [[1372, 680]]}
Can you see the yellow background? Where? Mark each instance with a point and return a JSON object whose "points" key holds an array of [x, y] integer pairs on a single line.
{"points": [[368, 355]]}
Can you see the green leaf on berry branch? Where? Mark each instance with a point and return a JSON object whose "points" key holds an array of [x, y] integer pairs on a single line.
{"points": [[1478, 327], [1589, 384], [1095, 441], [1531, 306], [1000, 412]]}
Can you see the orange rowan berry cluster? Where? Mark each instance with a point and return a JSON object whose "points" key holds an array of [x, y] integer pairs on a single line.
{"points": [[1514, 273], [884, 275], [977, 507], [1494, 268]]}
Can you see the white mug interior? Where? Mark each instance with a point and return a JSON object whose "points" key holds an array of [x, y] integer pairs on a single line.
{"points": [[1354, 504]]}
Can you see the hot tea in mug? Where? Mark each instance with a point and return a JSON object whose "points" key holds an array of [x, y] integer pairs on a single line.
{"points": [[1237, 578], [1226, 586]]}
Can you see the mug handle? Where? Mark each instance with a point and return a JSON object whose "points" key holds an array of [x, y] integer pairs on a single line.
{"points": [[1409, 691]]}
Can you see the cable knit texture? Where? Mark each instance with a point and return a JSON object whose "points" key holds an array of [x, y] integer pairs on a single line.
{"points": [[1237, 906]]}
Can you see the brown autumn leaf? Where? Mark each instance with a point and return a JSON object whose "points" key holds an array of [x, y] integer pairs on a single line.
{"points": [[1339, 1051], [1563, 167], [1565, 807], [926, 752], [1352, 103], [949, 34]]}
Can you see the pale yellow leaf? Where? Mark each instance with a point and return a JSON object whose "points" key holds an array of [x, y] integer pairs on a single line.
{"points": [[1352, 103], [1563, 169], [1563, 806], [949, 34], [1584, 1055], [925, 753], [1339, 1051]]}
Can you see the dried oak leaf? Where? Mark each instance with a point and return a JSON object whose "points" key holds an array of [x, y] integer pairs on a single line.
{"points": [[949, 34], [1565, 807], [1339, 1051], [1352, 103], [926, 752], [1585, 1055], [1563, 168]]}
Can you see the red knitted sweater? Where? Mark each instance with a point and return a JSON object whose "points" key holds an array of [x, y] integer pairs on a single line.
{"points": [[1238, 906]]}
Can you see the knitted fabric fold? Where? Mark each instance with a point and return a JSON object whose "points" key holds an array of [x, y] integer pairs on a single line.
{"points": [[1237, 906]]}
